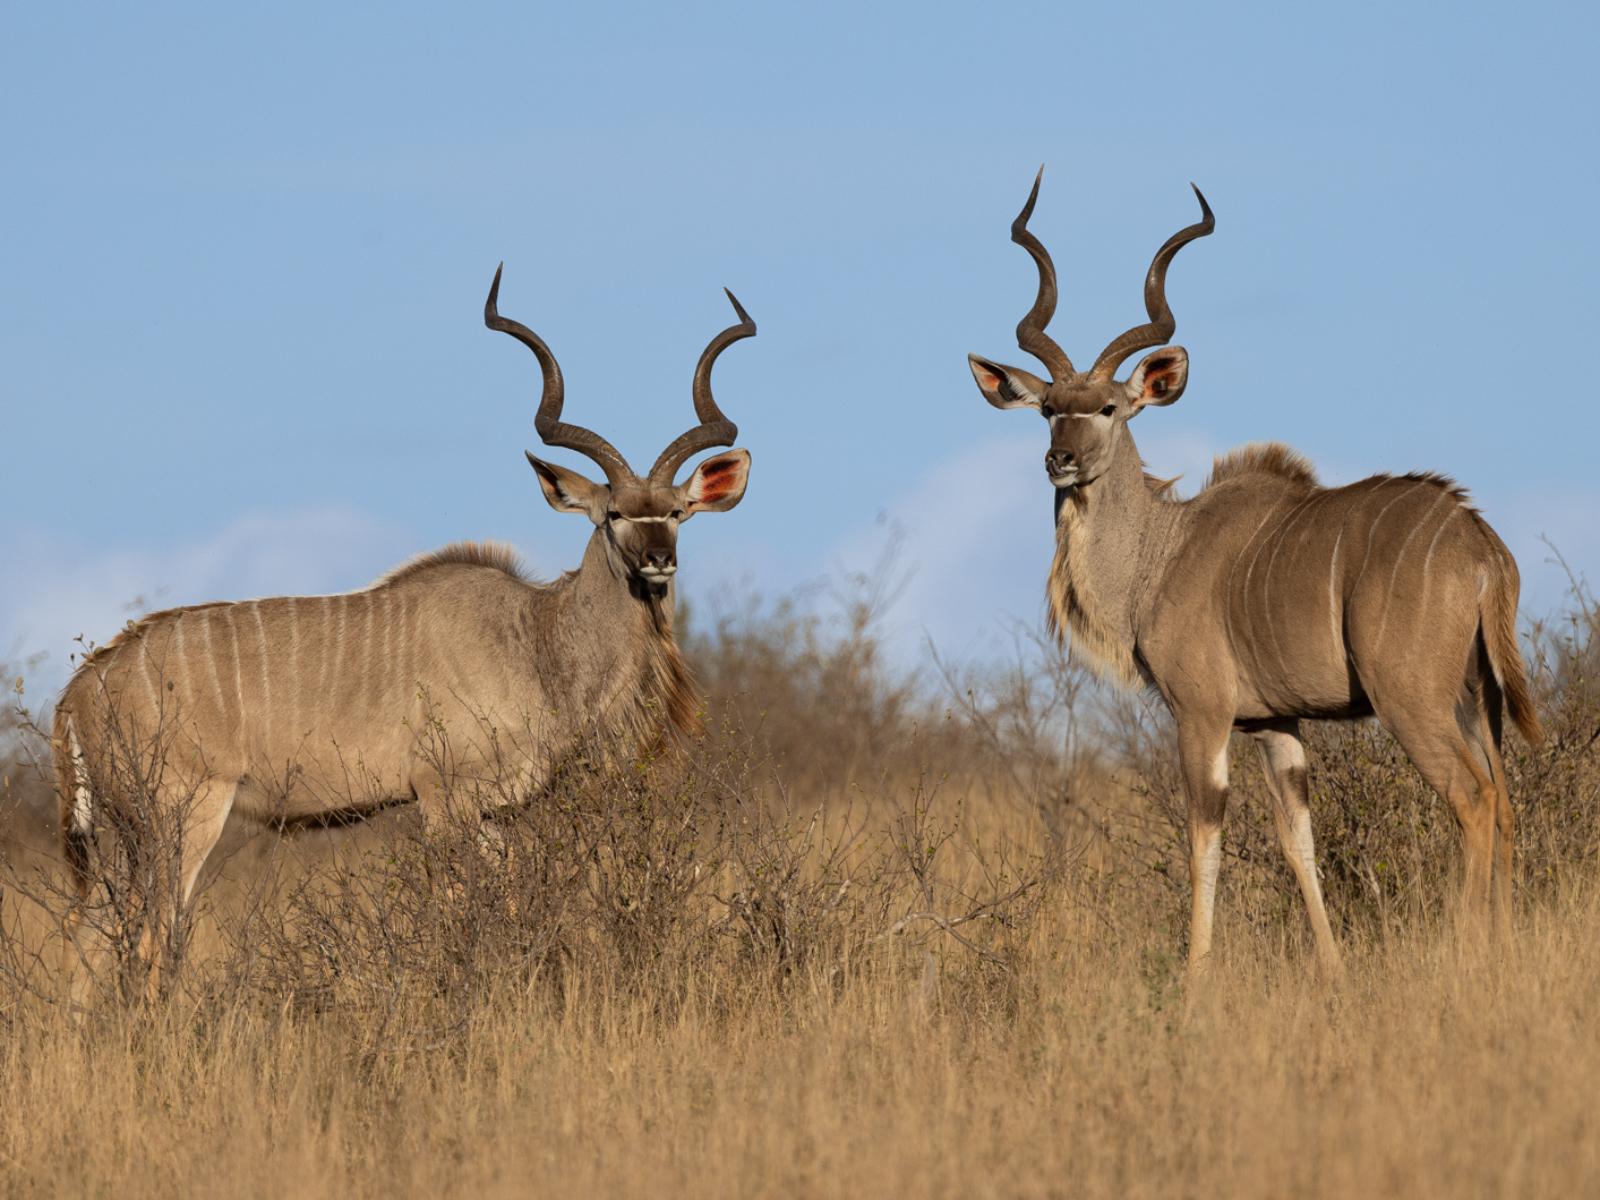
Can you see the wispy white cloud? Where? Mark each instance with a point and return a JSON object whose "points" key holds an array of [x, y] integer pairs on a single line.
{"points": [[974, 540]]}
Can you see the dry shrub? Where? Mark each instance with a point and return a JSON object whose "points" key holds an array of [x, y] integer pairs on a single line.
{"points": [[878, 933]]}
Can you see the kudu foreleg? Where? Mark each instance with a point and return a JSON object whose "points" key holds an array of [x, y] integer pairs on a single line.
{"points": [[1203, 754]]}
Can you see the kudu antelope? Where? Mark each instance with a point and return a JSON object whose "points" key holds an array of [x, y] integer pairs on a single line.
{"points": [[1267, 599], [295, 709]]}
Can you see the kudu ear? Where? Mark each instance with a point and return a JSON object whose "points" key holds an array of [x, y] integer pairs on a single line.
{"points": [[718, 483], [1159, 378], [1007, 387], [567, 491]]}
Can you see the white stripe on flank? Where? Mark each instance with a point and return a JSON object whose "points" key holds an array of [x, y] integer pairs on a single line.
{"points": [[1427, 560], [211, 659], [403, 655], [181, 650], [1333, 597], [337, 653], [1242, 595], [266, 685], [1371, 529], [1394, 571], [238, 678], [365, 665], [325, 627], [149, 685], [1295, 514], [387, 660], [82, 798], [291, 678]]}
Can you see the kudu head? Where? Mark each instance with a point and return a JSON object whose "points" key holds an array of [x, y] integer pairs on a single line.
{"points": [[637, 516], [1087, 410]]}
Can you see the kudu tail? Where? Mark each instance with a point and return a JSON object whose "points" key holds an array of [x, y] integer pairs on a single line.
{"points": [[1498, 619], [75, 800]]}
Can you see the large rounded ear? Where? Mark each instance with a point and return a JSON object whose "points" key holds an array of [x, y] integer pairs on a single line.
{"points": [[718, 483], [1159, 378], [567, 491], [1007, 387]]}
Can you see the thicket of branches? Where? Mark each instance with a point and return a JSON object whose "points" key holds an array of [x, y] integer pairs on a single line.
{"points": [[843, 816]]}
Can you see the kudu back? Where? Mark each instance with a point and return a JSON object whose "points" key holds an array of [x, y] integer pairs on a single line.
{"points": [[301, 708], [1268, 599]]}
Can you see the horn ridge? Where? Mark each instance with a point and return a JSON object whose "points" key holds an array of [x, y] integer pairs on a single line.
{"points": [[553, 431], [1162, 324], [714, 428], [1031, 334]]}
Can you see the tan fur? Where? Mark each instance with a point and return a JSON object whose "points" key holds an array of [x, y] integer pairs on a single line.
{"points": [[1268, 598], [1222, 602], [291, 709], [1072, 604]]}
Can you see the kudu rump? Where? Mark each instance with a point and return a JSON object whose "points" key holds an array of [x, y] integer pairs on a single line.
{"points": [[299, 708], [1268, 598]]}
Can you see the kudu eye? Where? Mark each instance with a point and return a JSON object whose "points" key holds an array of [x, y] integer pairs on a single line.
{"points": [[1109, 410], [677, 514]]}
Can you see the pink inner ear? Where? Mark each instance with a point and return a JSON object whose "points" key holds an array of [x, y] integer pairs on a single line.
{"points": [[716, 481], [988, 380]]}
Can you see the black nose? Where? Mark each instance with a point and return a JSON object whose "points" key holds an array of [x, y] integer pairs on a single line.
{"points": [[657, 557], [1057, 461]]}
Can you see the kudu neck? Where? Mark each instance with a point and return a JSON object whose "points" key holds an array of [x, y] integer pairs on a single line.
{"points": [[603, 588], [1112, 539]]}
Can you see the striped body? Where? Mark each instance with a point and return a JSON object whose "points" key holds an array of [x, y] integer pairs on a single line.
{"points": [[1336, 594], [1267, 599], [321, 705]]}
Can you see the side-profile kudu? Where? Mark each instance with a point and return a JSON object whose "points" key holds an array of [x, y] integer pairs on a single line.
{"points": [[298, 708], [1267, 599]]}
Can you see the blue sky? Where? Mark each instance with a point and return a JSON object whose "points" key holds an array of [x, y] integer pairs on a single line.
{"points": [[246, 251]]}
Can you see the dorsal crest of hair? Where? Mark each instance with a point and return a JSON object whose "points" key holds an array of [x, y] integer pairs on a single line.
{"points": [[497, 556], [1262, 458]]}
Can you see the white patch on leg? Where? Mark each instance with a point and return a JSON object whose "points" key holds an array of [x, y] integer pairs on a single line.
{"points": [[1219, 769], [1286, 754], [1206, 865], [82, 798], [1302, 849]]}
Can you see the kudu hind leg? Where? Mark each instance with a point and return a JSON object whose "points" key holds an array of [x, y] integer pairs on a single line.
{"points": [[1488, 733], [203, 816], [1283, 756], [1454, 767]]}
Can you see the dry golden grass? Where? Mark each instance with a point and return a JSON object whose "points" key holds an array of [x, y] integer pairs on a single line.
{"points": [[705, 991], [1438, 1071]]}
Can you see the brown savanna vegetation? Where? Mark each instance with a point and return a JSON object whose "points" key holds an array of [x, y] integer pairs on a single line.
{"points": [[875, 935]]}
